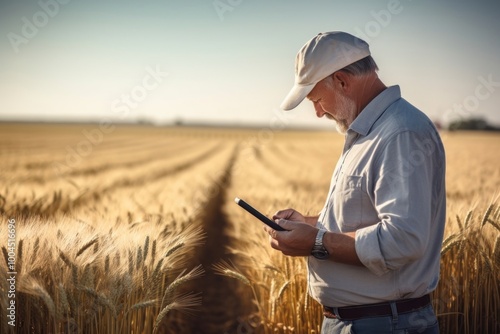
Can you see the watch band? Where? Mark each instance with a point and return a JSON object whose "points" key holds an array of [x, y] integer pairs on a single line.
{"points": [[319, 237], [319, 251]]}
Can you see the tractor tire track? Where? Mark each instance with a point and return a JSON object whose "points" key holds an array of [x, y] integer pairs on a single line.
{"points": [[225, 299]]}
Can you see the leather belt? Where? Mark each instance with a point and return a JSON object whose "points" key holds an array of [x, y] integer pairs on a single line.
{"points": [[375, 310]]}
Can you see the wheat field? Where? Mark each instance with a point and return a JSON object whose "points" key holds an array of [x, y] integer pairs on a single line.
{"points": [[133, 229]]}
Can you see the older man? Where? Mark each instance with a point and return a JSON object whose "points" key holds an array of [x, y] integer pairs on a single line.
{"points": [[374, 250]]}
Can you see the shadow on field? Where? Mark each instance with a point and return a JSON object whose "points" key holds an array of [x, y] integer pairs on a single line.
{"points": [[224, 298]]}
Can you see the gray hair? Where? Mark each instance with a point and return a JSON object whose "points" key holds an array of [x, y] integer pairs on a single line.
{"points": [[361, 67]]}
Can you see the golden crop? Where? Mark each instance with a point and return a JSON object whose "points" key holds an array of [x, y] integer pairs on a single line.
{"points": [[137, 232]]}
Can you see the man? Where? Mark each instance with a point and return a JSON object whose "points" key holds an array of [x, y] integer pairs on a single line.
{"points": [[374, 250]]}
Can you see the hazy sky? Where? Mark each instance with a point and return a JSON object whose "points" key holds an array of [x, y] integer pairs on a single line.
{"points": [[232, 61]]}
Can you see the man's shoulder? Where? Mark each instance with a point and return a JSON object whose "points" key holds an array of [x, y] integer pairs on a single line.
{"points": [[404, 123], [402, 116]]}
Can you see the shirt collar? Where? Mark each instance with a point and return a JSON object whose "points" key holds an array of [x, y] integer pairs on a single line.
{"points": [[373, 110]]}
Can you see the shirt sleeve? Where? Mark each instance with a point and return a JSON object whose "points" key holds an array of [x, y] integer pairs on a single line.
{"points": [[402, 195]]}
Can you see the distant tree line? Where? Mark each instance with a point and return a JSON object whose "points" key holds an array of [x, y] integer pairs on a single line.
{"points": [[478, 124]]}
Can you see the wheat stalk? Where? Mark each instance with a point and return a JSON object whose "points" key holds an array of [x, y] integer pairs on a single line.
{"points": [[273, 268], [38, 290], [487, 214], [106, 263], [116, 259], [73, 306], [144, 304], [157, 268], [99, 297], [272, 299], [65, 259], [183, 303], [494, 224], [459, 222], [146, 248], [225, 269], [181, 279], [468, 218], [86, 246], [19, 259], [36, 246], [96, 246], [449, 239], [153, 252], [450, 245], [495, 254], [139, 258], [282, 289], [63, 299], [144, 276], [74, 275], [6, 256], [496, 215], [87, 278], [130, 263], [174, 248]]}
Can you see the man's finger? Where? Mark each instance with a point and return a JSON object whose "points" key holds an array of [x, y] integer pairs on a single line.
{"points": [[273, 243], [283, 214], [286, 224], [270, 231]]}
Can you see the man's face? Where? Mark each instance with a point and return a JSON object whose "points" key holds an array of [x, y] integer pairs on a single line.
{"points": [[331, 103]]}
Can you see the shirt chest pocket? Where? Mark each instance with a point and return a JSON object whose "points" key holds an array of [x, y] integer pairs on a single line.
{"points": [[348, 202]]}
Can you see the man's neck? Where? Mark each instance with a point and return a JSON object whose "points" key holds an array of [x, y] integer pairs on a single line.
{"points": [[369, 87]]}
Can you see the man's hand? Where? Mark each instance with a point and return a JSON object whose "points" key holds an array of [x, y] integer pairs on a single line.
{"points": [[291, 214], [299, 238], [300, 235]]}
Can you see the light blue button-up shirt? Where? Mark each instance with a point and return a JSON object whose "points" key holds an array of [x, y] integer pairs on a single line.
{"points": [[389, 187]]}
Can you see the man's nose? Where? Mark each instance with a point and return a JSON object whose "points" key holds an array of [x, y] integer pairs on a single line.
{"points": [[319, 111]]}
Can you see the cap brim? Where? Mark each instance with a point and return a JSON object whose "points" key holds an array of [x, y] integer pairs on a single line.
{"points": [[296, 95]]}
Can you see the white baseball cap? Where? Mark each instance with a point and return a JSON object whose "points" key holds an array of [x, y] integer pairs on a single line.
{"points": [[323, 55]]}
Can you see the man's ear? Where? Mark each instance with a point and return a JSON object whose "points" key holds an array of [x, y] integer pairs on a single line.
{"points": [[342, 80]]}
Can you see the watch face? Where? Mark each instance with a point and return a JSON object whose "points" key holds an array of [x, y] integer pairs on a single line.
{"points": [[320, 254]]}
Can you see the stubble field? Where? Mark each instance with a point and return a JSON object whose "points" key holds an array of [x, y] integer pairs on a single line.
{"points": [[134, 229]]}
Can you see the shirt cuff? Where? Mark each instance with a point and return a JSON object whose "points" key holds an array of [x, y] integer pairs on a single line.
{"points": [[368, 249]]}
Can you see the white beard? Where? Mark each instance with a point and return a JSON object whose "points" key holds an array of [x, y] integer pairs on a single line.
{"points": [[346, 113]]}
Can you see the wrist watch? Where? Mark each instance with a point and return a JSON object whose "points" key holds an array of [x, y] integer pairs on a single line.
{"points": [[319, 251]]}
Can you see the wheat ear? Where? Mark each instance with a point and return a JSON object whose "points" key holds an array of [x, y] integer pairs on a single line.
{"points": [[182, 278], [86, 246], [184, 303]]}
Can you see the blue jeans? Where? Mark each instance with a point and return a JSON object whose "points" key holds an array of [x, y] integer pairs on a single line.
{"points": [[421, 321]]}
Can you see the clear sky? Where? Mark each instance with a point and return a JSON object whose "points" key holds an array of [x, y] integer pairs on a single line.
{"points": [[232, 61]]}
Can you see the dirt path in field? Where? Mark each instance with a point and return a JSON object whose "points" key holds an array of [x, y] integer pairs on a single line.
{"points": [[224, 299]]}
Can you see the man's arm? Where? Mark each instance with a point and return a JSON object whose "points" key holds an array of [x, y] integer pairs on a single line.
{"points": [[312, 220], [341, 247], [299, 239], [410, 183]]}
